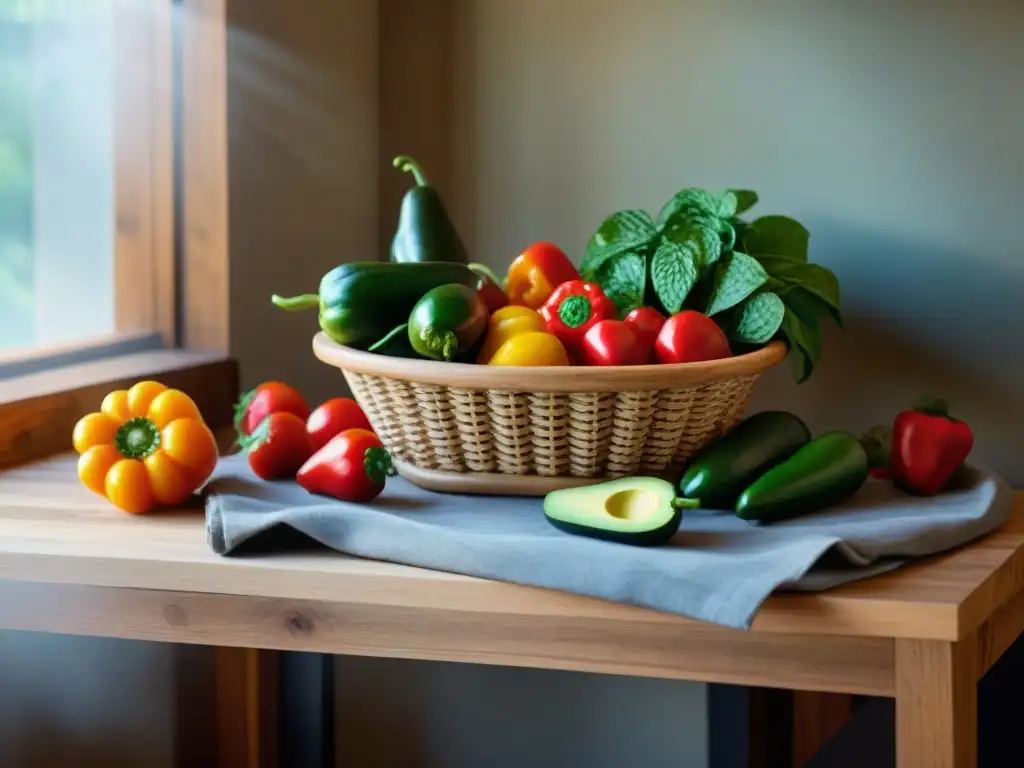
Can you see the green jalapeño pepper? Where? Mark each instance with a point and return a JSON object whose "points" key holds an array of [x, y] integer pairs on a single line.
{"points": [[824, 472], [425, 230], [360, 302], [447, 322]]}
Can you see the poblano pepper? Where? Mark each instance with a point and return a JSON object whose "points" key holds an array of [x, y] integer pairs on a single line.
{"points": [[425, 230]]}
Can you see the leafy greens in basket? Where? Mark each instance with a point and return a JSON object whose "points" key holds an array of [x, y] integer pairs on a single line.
{"points": [[700, 253]]}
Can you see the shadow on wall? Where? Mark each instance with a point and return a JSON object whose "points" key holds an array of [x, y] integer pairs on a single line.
{"points": [[919, 321]]}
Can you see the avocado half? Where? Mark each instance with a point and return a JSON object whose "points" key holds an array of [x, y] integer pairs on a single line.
{"points": [[642, 511]]}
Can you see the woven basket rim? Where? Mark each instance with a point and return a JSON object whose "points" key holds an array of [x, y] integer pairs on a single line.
{"points": [[548, 378]]}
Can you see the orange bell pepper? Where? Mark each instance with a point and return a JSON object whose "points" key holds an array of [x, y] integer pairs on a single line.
{"points": [[535, 274], [146, 446]]}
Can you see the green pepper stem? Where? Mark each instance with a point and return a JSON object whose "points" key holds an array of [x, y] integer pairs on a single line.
{"points": [[407, 164], [445, 342], [378, 465], [484, 271], [574, 310], [296, 303], [391, 335], [678, 503]]}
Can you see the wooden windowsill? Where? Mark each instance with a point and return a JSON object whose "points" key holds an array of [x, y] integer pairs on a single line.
{"points": [[38, 411]]}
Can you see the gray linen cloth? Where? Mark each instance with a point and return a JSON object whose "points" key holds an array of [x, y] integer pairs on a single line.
{"points": [[717, 568]]}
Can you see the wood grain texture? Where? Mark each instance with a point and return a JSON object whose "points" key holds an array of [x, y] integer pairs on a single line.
{"points": [[38, 412], [246, 691], [489, 483], [205, 307], [691, 651], [548, 378], [999, 633], [936, 704], [53, 530], [144, 275]]}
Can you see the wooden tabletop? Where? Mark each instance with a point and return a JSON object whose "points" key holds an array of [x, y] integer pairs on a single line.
{"points": [[53, 530]]}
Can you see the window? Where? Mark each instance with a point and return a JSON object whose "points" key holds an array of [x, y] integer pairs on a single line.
{"points": [[86, 166]]}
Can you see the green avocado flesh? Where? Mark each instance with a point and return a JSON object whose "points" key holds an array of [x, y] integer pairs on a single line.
{"points": [[632, 510]]}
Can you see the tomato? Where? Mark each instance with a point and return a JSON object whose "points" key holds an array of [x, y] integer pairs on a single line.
{"points": [[646, 323], [279, 446], [353, 466], [269, 397], [333, 417], [691, 337], [612, 342]]}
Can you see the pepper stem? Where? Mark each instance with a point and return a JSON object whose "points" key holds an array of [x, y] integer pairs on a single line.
{"points": [[393, 334], [680, 503], [137, 438], [445, 342], [484, 271], [378, 465], [574, 310], [296, 303], [407, 164]]}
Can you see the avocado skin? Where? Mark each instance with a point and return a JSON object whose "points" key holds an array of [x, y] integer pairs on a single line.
{"points": [[721, 472], [652, 538]]}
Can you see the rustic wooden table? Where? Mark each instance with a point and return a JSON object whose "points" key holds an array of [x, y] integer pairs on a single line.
{"points": [[924, 635]]}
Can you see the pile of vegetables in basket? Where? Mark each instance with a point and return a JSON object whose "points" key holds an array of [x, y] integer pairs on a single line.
{"points": [[699, 282]]}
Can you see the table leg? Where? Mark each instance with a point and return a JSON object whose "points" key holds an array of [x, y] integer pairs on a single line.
{"points": [[307, 710], [936, 704]]}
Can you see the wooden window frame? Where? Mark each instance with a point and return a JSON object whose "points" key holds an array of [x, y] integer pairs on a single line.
{"points": [[170, 232]]}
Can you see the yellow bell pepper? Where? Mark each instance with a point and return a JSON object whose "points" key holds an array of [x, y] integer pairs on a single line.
{"points": [[506, 323], [146, 446], [531, 348]]}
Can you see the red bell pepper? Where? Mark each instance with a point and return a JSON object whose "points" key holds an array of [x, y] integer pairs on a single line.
{"points": [[573, 309], [489, 288], [928, 446], [646, 322], [536, 273], [353, 466], [613, 342]]}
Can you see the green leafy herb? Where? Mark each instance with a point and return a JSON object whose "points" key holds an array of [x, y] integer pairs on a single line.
{"points": [[745, 199], [804, 343], [812, 278], [777, 236], [693, 201], [623, 279], [738, 276], [702, 254], [620, 232], [759, 318], [675, 268]]}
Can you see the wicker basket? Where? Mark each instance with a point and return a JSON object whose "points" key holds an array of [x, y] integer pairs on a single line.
{"points": [[527, 431]]}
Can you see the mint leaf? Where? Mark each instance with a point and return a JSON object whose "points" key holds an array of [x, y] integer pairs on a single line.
{"points": [[759, 318], [674, 271], [623, 279], [738, 276], [728, 204], [777, 235], [620, 232], [812, 278], [745, 200], [699, 235], [804, 345], [693, 201]]}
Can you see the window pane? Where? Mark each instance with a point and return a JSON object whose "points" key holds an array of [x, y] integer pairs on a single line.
{"points": [[56, 171]]}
